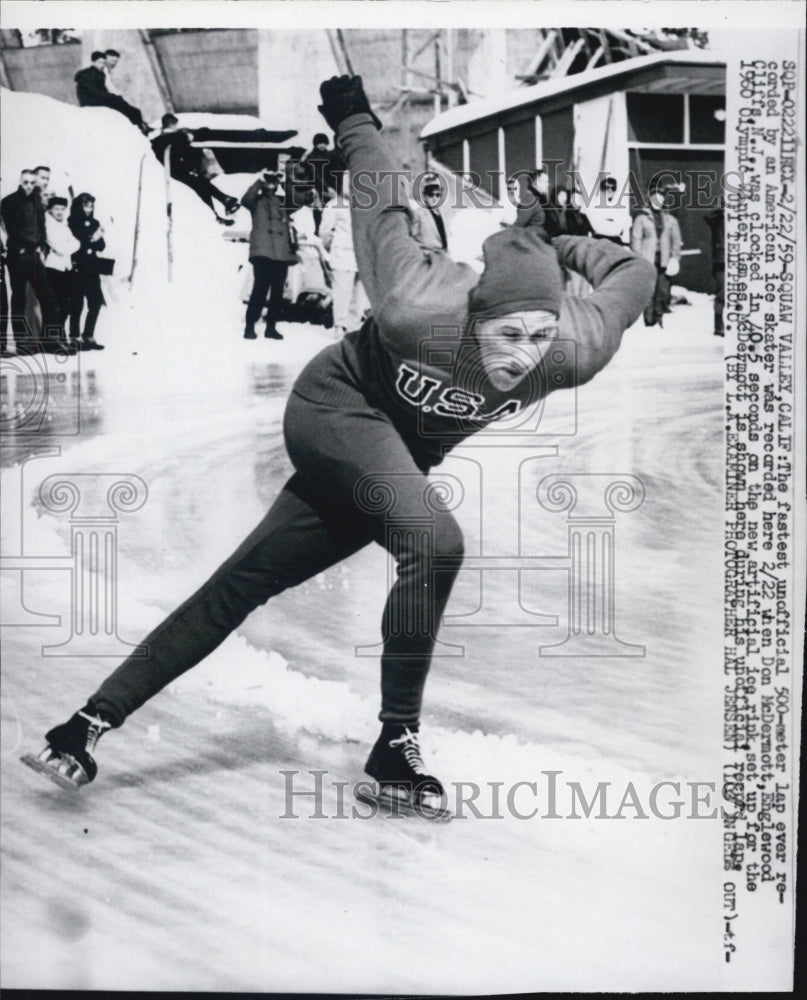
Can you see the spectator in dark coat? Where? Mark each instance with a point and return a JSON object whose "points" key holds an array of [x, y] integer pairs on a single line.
{"points": [[429, 227], [716, 222], [186, 165], [323, 165], [42, 177], [91, 91], [87, 230], [271, 251], [24, 219], [562, 218]]}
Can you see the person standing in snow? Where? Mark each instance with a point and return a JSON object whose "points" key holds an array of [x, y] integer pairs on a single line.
{"points": [[42, 174], [271, 252], [429, 227], [365, 422], [608, 213], [62, 244], [24, 219], [656, 236], [336, 233], [716, 221], [90, 235]]}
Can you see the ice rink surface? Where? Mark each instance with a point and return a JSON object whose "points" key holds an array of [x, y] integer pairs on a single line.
{"points": [[177, 870], [186, 866]]}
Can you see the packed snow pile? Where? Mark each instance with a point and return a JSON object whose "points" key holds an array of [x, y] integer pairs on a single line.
{"points": [[96, 150]]}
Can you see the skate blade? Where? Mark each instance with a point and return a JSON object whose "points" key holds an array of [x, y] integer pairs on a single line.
{"points": [[65, 771], [394, 801]]}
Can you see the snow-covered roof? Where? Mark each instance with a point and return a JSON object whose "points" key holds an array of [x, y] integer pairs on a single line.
{"points": [[520, 96]]}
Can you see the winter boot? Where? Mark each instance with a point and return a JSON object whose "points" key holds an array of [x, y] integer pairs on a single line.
{"points": [[68, 757], [404, 787]]}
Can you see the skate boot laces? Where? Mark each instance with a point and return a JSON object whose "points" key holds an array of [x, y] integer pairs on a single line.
{"points": [[95, 730], [410, 746]]}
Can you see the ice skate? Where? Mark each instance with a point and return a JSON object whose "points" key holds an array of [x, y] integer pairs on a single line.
{"points": [[68, 757], [404, 786]]}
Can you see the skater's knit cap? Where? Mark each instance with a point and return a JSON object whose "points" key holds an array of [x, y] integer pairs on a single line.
{"points": [[521, 274], [56, 200]]}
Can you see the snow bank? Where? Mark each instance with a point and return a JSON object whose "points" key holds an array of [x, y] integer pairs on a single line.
{"points": [[97, 150]]}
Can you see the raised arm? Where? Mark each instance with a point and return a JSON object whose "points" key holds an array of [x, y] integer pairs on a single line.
{"points": [[623, 285], [251, 195], [405, 285], [392, 264]]}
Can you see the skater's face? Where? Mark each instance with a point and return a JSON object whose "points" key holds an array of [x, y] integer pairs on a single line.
{"points": [[512, 346], [58, 212], [43, 179], [27, 182], [657, 200], [100, 62], [89, 207], [112, 61]]}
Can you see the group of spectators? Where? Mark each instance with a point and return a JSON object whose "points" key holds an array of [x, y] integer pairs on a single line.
{"points": [[303, 210], [653, 232], [52, 248], [55, 252], [284, 206]]}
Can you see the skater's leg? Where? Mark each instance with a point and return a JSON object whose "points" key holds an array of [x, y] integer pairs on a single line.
{"points": [[202, 187], [372, 474], [291, 544]]}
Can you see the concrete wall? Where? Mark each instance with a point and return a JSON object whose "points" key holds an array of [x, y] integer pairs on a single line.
{"points": [[45, 69], [276, 73], [291, 65], [133, 75], [212, 70]]}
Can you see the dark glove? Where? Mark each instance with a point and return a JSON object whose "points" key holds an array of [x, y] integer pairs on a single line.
{"points": [[343, 96]]}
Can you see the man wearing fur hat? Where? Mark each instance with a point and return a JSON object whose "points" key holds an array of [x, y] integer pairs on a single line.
{"points": [[366, 421]]}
